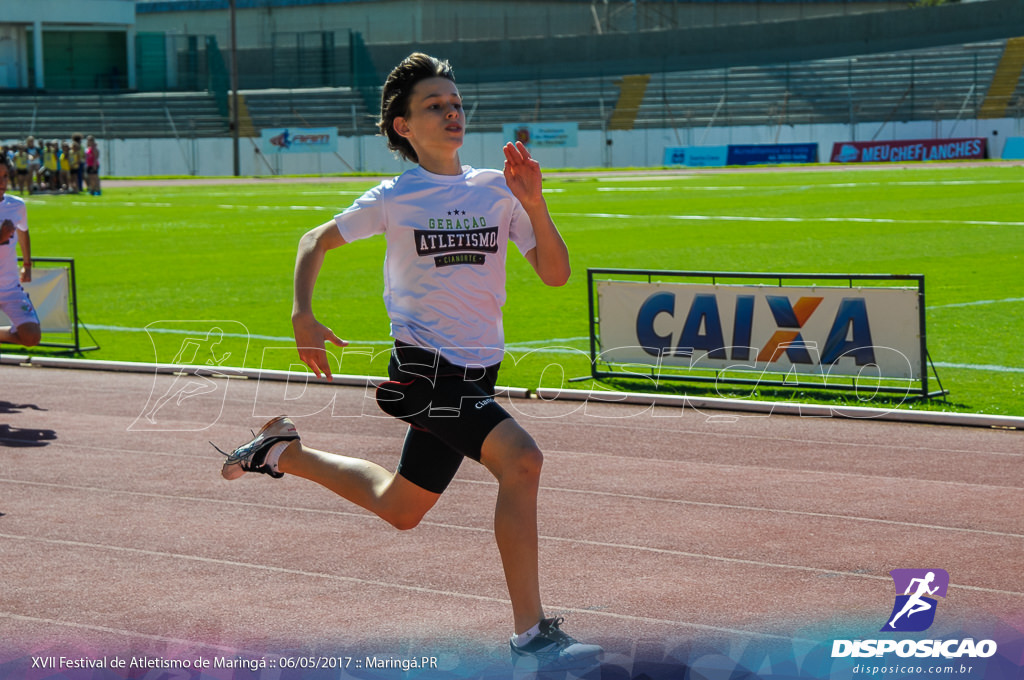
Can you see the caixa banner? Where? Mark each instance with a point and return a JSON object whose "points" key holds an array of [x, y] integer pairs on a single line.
{"points": [[717, 326]]}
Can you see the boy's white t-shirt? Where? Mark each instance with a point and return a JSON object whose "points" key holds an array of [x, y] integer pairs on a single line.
{"points": [[444, 271], [11, 208]]}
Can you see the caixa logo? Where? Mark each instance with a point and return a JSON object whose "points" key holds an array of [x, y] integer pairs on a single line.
{"points": [[703, 329], [914, 611]]}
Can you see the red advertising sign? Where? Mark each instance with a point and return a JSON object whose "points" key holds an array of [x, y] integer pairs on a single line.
{"points": [[899, 151]]}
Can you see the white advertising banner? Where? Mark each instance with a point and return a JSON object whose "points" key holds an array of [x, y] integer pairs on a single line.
{"points": [[825, 331], [48, 291], [537, 135], [299, 140]]}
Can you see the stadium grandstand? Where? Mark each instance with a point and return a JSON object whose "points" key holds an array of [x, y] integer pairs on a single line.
{"points": [[162, 69]]}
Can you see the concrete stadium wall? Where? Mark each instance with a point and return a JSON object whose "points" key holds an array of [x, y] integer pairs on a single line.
{"points": [[628, 149]]}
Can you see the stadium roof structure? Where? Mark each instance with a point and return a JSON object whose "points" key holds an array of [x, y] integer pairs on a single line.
{"points": [[733, 45]]}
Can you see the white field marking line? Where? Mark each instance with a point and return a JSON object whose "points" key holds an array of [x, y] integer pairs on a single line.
{"points": [[782, 218], [691, 177], [487, 530], [523, 346], [374, 583], [128, 204], [315, 208], [528, 345], [979, 367], [645, 178], [975, 303], [798, 187], [233, 651], [247, 336], [551, 341]]}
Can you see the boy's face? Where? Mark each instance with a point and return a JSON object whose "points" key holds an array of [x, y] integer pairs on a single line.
{"points": [[435, 116]]}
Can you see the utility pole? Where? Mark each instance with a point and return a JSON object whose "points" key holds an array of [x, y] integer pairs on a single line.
{"points": [[234, 90]]}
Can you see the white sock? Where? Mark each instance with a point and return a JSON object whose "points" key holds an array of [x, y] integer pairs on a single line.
{"points": [[524, 638], [274, 454]]}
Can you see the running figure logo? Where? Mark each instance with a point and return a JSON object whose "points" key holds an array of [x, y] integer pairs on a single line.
{"points": [[187, 393], [914, 609]]}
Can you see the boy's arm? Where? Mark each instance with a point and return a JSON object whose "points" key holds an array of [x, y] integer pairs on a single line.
{"points": [[25, 241], [550, 257], [310, 335]]}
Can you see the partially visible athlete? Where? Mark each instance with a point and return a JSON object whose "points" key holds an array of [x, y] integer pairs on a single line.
{"points": [[14, 301]]}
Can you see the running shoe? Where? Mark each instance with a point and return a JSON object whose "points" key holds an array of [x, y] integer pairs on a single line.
{"points": [[553, 650], [252, 457]]}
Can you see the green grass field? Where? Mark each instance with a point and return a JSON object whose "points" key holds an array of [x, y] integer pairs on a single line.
{"points": [[186, 258]]}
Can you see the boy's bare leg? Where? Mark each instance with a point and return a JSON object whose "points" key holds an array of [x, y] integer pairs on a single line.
{"points": [[512, 456], [26, 335], [388, 495]]}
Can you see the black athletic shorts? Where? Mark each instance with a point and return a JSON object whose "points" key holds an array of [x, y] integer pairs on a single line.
{"points": [[450, 409]]}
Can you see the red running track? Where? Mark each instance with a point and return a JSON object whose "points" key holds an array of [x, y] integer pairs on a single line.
{"points": [[679, 540]]}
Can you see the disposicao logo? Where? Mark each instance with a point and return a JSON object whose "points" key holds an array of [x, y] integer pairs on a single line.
{"points": [[915, 605], [914, 611]]}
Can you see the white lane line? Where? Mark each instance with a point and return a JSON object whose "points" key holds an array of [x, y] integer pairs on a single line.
{"points": [[459, 527], [248, 566]]}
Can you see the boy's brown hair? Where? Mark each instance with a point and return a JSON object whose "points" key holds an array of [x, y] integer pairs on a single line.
{"points": [[394, 101]]}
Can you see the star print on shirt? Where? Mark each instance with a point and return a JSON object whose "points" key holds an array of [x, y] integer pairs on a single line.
{"points": [[456, 211]]}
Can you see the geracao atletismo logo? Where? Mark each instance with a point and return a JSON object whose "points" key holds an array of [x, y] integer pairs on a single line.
{"points": [[914, 609], [912, 612]]}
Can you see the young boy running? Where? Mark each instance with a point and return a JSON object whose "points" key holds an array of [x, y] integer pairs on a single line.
{"points": [[447, 227], [14, 302]]}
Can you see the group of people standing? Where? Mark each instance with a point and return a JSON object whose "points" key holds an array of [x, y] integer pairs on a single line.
{"points": [[61, 166]]}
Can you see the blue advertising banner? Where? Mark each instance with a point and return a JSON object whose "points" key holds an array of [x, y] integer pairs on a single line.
{"points": [[771, 154], [1014, 149], [740, 154], [697, 156]]}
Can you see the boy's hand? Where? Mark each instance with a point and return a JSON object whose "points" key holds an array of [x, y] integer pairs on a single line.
{"points": [[311, 338], [523, 175]]}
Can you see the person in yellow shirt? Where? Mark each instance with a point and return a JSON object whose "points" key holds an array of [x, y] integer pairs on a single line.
{"points": [[66, 169], [77, 162], [51, 166], [22, 175]]}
